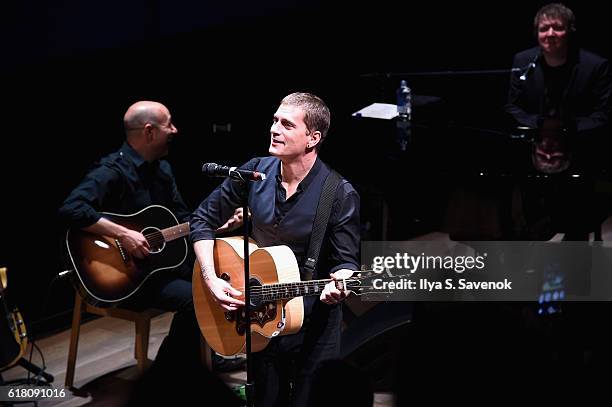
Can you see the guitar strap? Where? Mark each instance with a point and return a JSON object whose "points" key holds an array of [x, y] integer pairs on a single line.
{"points": [[326, 201]]}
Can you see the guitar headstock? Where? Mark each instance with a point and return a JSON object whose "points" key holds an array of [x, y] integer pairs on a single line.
{"points": [[357, 283]]}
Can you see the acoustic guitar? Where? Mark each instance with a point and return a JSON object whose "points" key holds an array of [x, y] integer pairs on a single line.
{"points": [[13, 336], [106, 274], [277, 306]]}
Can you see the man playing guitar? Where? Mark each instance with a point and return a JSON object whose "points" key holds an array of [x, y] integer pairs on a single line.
{"points": [[283, 208]]}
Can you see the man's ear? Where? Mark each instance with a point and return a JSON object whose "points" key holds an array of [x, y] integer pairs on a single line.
{"points": [[148, 131], [315, 138]]}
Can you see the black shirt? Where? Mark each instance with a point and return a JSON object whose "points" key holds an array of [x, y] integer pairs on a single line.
{"points": [[123, 183], [556, 81], [280, 221]]}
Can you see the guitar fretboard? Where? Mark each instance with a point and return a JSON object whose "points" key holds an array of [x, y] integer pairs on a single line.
{"points": [[167, 235], [175, 232], [285, 291]]}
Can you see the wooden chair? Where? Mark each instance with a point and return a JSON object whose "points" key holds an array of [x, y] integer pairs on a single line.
{"points": [[142, 320]]}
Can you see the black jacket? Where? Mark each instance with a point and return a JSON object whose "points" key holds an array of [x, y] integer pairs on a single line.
{"points": [[586, 99]]}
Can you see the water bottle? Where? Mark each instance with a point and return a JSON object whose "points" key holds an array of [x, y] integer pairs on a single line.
{"points": [[404, 101], [404, 109]]}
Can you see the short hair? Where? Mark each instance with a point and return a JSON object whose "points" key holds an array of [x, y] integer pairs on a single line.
{"points": [[555, 10], [316, 113]]}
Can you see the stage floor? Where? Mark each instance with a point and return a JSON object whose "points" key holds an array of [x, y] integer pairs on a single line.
{"points": [[106, 369]]}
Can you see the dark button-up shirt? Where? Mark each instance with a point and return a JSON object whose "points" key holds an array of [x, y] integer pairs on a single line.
{"points": [[280, 221], [123, 183]]}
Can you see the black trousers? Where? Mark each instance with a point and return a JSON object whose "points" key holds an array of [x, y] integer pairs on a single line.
{"points": [[178, 375], [171, 291], [285, 369]]}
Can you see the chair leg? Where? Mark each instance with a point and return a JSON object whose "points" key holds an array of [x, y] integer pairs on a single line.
{"points": [[74, 340], [141, 348]]}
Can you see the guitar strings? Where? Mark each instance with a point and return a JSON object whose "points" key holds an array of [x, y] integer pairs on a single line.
{"points": [[157, 238], [292, 285], [287, 288]]}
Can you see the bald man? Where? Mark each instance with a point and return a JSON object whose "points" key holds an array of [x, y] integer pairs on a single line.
{"points": [[125, 182], [149, 131]]}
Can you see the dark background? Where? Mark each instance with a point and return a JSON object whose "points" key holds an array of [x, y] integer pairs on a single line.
{"points": [[71, 68]]}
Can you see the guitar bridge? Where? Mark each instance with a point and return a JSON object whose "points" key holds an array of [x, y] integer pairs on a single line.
{"points": [[121, 251], [261, 315]]}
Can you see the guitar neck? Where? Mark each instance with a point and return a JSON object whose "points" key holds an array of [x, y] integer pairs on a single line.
{"points": [[171, 233], [287, 291]]}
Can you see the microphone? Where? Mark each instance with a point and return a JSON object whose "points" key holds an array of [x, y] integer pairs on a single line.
{"points": [[216, 170], [529, 67]]}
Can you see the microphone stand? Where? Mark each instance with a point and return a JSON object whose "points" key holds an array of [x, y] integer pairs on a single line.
{"points": [[250, 385], [404, 126], [389, 75], [383, 77]]}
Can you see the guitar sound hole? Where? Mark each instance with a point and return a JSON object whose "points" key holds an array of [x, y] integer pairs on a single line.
{"points": [[155, 239]]}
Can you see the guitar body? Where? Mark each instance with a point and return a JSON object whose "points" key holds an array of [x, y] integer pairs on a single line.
{"points": [[13, 335], [14, 340], [224, 331], [106, 274]]}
